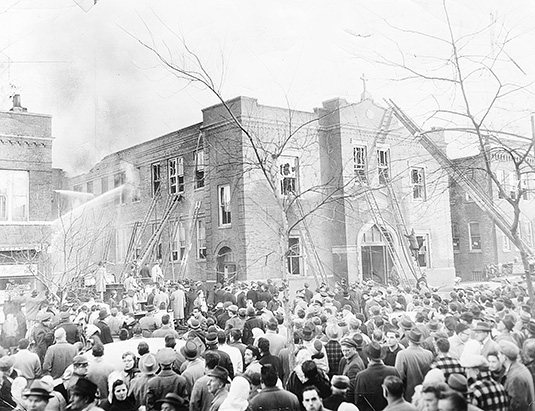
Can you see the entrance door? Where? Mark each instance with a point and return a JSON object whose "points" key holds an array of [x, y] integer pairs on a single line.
{"points": [[374, 263], [226, 267], [376, 260]]}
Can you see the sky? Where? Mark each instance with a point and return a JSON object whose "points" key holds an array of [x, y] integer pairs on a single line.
{"points": [[85, 66]]}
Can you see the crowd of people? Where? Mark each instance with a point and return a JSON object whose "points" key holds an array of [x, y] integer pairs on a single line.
{"points": [[238, 347]]}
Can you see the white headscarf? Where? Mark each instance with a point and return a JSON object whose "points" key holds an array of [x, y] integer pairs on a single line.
{"points": [[237, 396]]}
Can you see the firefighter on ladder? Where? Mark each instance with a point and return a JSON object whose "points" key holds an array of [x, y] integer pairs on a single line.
{"points": [[413, 244]]}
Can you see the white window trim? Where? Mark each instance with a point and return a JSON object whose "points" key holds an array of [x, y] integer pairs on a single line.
{"points": [[388, 167], [286, 158], [424, 183], [153, 180], [427, 237], [172, 173], [199, 248], [474, 250], [179, 243], [363, 178], [220, 203], [301, 257], [199, 166]]}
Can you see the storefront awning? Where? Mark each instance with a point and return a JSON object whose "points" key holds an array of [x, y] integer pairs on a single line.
{"points": [[17, 270]]}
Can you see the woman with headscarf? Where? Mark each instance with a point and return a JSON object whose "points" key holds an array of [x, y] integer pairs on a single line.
{"points": [[120, 400], [237, 395], [129, 372]]}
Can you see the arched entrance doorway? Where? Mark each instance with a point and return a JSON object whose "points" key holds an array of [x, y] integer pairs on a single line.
{"points": [[375, 257], [226, 266]]}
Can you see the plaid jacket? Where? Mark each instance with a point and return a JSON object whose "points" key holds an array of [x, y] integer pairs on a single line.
{"points": [[334, 355], [488, 394], [448, 365]]}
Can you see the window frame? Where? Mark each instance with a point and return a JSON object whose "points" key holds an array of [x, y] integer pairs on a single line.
{"points": [[119, 180], [201, 240], [289, 180], [360, 167], [424, 250], [295, 256], [455, 237], [419, 186], [224, 210], [383, 165], [16, 195], [155, 178], [200, 165], [477, 236], [178, 245]]}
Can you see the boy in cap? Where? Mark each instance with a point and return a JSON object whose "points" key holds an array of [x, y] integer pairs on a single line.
{"points": [[351, 364]]}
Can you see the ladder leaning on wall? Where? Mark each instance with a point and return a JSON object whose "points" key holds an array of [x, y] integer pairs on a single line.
{"points": [[189, 243], [137, 234], [310, 247], [170, 207], [480, 197]]}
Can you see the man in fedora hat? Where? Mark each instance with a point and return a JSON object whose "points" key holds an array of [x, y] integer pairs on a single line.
{"points": [[72, 330], [368, 392], [36, 397], [83, 396], [351, 364], [333, 348], [172, 402], [193, 367], [148, 364], [105, 332], [219, 378], [482, 332], [413, 363]]}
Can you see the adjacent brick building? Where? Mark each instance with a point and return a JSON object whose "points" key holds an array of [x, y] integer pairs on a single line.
{"points": [[479, 246], [26, 193], [325, 194]]}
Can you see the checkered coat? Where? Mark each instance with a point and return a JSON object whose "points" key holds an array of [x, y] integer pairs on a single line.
{"points": [[488, 394]]}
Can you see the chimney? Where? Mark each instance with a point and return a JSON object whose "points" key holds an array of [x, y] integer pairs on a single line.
{"points": [[16, 104]]}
